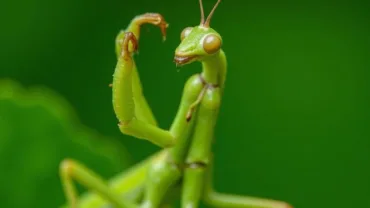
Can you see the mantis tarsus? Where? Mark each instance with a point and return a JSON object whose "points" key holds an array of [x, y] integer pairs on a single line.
{"points": [[183, 168]]}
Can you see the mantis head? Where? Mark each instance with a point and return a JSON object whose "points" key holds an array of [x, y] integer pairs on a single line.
{"points": [[199, 42]]}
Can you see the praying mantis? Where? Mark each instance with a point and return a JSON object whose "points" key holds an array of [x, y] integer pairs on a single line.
{"points": [[183, 168]]}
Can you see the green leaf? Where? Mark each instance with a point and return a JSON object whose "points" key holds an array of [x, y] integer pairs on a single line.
{"points": [[38, 129]]}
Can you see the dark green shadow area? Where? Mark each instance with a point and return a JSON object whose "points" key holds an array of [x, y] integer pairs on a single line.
{"points": [[38, 129]]}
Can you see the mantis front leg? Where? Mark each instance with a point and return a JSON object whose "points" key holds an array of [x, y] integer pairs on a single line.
{"points": [[142, 109], [134, 115]]}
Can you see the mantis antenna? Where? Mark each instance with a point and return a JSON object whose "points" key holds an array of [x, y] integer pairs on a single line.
{"points": [[208, 20], [201, 12]]}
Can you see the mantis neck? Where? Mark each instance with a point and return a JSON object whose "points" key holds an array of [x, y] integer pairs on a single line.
{"points": [[214, 69]]}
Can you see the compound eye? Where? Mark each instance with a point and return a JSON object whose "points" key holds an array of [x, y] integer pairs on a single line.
{"points": [[211, 43], [185, 32]]}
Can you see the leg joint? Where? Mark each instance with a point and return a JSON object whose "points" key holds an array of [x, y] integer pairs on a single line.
{"points": [[196, 165], [66, 167], [125, 126]]}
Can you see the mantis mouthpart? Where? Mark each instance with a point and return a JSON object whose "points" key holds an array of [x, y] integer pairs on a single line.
{"points": [[183, 168]]}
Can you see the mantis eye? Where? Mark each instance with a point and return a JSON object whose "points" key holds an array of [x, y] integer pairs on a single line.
{"points": [[211, 43], [185, 32]]}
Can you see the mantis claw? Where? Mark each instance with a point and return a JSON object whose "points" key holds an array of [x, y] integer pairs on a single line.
{"points": [[162, 24], [155, 19], [158, 21]]}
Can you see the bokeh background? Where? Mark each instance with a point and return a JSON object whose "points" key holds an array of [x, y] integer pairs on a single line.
{"points": [[294, 123]]}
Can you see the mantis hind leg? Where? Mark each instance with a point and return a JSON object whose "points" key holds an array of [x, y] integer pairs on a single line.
{"points": [[127, 185], [222, 200], [72, 170]]}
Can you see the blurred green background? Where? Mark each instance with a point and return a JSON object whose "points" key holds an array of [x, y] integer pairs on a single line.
{"points": [[294, 124]]}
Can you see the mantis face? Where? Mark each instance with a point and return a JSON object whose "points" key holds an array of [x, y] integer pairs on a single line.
{"points": [[200, 42], [197, 43]]}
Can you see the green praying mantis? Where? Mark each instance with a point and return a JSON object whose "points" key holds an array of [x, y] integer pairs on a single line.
{"points": [[183, 169]]}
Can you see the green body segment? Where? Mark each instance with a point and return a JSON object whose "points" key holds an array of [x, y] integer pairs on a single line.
{"points": [[161, 176], [181, 128], [192, 187], [202, 139]]}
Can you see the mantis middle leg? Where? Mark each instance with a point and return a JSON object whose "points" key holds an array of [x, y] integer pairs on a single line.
{"points": [[222, 200]]}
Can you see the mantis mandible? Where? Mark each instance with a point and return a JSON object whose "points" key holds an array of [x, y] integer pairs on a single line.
{"points": [[183, 169]]}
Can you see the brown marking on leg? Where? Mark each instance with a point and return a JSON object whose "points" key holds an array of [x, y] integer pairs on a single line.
{"points": [[204, 82], [155, 19], [195, 104], [129, 37]]}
